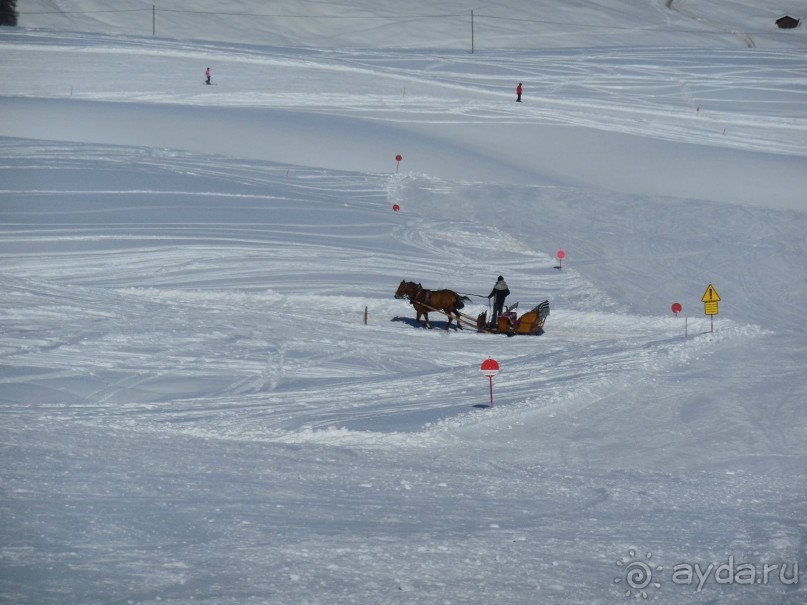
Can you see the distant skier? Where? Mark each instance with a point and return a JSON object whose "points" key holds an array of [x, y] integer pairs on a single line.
{"points": [[207, 76], [499, 293], [518, 93]]}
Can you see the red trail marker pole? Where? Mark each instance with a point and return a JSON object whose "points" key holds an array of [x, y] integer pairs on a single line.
{"points": [[677, 308], [490, 368]]}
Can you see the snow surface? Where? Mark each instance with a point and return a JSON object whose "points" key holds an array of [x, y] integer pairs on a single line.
{"points": [[194, 410]]}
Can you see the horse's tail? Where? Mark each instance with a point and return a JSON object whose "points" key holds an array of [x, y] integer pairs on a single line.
{"points": [[459, 304]]}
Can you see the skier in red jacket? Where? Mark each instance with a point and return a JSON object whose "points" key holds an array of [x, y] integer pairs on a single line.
{"points": [[518, 92]]}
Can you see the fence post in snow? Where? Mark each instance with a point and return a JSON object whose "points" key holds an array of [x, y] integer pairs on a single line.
{"points": [[472, 31]]}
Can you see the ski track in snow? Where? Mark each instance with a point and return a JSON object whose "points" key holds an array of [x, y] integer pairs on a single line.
{"points": [[618, 90], [212, 331]]}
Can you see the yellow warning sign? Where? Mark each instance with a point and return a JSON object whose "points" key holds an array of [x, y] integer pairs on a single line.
{"points": [[710, 299], [710, 295]]}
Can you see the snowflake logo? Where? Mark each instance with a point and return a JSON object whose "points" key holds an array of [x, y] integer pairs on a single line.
{"points": [[638, 574]]}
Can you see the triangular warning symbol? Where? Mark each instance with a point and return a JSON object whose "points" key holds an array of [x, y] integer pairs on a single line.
{"points": [[710, 295]]}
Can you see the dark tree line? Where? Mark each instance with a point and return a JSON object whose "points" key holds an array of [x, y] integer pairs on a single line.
{"points": [[8, 12]]}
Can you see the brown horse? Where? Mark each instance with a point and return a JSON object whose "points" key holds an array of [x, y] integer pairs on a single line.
{"points": [[447, 301]]}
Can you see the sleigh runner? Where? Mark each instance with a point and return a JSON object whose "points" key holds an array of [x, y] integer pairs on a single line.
{"points": [[449, 303]]}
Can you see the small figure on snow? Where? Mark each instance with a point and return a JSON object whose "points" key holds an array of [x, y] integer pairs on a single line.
{"points": [[207, 76], [518, 93], [499, 293]]}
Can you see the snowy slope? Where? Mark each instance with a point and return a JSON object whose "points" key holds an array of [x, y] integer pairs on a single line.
{"points": [[194, 410]]}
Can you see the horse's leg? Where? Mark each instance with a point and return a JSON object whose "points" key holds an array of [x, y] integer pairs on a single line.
{"points": [[425, 313]]}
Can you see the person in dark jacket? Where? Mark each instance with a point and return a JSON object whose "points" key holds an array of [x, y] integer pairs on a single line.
{"points": [[499, 292]]}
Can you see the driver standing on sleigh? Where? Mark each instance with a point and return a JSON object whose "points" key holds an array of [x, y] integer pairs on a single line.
{"points": [[499, 292]]}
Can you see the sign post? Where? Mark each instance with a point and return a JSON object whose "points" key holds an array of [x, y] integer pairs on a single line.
{"points": [[677, 308], [710, 299], [490, 368], [561, 255], [398, 159]]}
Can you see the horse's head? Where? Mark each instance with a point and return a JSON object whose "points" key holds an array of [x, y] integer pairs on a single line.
{"points": [[407, 289], [401, 291]]}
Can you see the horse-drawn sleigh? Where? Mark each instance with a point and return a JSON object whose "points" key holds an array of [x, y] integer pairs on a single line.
{"points": [[450, 303]]}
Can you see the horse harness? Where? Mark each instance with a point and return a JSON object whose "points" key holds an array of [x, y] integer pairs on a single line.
{"points": [[423, 296]]}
